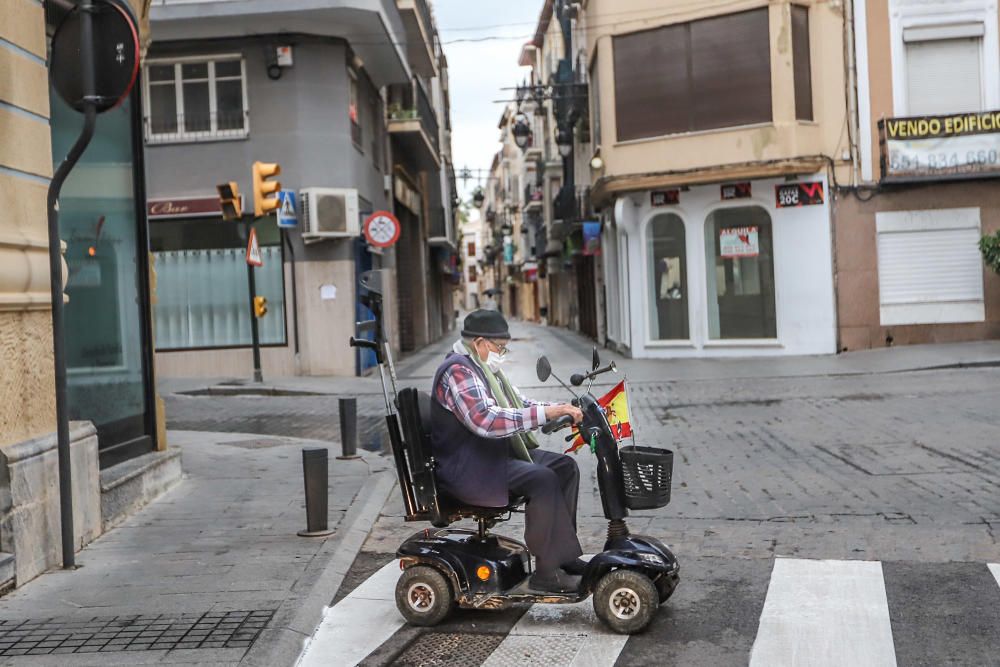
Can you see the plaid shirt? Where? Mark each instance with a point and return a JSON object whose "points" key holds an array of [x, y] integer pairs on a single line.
{"points": [[463, 394]]}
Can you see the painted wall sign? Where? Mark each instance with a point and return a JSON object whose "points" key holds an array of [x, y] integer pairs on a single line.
{"points": [[738, 242], [664, 197], [735, 190], [382, 229], [184, 207], [929, 147], [798, 194]]}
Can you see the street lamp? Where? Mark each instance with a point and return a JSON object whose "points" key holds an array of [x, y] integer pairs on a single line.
{"points": [[564, 140], [521, 132], [478, 197]]}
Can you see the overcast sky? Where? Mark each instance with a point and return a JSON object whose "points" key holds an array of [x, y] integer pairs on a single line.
{"points": [[478, 70]]}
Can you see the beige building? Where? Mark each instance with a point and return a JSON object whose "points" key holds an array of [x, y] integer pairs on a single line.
{"points": [[718, 131], [32, 128], [908, 269]]}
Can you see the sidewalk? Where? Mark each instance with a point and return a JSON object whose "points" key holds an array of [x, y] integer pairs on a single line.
{"points": [[214, 565]]}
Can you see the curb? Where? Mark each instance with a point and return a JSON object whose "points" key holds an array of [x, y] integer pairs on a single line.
{"points": [[298, 616]]}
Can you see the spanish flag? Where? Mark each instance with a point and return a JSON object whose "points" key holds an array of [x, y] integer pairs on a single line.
{"points": [[615, 404]]}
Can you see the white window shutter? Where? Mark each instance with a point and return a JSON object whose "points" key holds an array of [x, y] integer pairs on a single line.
{"points": [[929, 267], [943, 76]]}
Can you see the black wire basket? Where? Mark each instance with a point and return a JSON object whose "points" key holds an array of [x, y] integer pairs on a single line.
{"points": [[646, 472]]}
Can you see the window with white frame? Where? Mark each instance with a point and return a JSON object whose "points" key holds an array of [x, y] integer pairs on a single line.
{"points": [[929, 267], [944, 68], [196, 99]]}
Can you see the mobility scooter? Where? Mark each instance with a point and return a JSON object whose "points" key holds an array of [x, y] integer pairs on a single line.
{"points": [[444, 567]]}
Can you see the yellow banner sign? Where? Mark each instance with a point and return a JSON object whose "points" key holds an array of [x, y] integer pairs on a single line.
{"points": [[951, 125]]}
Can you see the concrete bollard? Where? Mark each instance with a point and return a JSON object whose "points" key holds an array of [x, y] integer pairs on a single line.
{"points": [[348, 408], [315, 471]]}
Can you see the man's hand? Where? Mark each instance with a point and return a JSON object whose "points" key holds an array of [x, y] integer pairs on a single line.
{"points": [[556, 411]]}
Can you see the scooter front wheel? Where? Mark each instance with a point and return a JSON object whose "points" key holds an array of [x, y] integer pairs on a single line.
{"points": [[625, 600], [423, 596]]}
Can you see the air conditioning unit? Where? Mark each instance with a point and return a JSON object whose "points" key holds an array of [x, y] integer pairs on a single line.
{"points": [[329, 213]]}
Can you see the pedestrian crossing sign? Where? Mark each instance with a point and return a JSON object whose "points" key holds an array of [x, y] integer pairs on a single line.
{"points": [[287, 214], [253, 250]]}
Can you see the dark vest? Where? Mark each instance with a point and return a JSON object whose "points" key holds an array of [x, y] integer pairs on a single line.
{"points": [[470, 468]]}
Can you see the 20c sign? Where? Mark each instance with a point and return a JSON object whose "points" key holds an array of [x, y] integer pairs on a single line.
{"points": [[798, 194]]}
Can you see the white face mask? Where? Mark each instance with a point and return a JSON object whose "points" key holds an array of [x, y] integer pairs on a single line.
{"points": [[494, 360]]}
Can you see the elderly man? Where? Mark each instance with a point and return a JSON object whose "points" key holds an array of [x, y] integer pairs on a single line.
{"points": [[481, 434]]}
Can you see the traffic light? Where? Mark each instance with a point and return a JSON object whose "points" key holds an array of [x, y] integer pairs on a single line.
{"points": [[229, 200], [265, 192], [260, 306]]}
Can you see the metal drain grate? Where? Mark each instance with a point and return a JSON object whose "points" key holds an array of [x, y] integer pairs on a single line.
{"points": [[455, 649], [164, 632]]}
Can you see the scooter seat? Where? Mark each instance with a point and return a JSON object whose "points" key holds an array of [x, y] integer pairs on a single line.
{"points": [[453, 506]]}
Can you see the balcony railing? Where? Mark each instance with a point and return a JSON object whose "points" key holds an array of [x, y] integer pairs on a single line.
{"points": [[409, 102], [573, 205], [533, 196]]}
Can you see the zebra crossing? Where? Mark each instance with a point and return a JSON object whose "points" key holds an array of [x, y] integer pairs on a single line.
{"points": [[815, 613]]}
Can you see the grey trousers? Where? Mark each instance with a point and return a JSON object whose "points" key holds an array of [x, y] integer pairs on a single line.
{"points": [[551, 483]]}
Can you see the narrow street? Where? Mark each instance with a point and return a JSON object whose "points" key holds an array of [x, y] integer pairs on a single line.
{"points": [[890, 468]]}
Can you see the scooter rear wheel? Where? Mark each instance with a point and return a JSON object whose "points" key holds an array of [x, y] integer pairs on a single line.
{"points": [[423, 596], [626, 601]]}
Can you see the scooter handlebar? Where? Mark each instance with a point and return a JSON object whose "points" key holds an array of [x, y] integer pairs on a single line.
{"points": [[579, 378], [556, 424]]}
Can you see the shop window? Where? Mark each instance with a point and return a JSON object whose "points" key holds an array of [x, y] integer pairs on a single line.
{"points": [[943, 75], [740, 259], [668, 294], [929, 267], [801, 63], [698, 75], [201, 278], [196, 99]]}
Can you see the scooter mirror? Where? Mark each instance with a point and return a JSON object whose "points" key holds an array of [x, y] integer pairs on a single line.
{"points": [[596, 362], [543, 368]]}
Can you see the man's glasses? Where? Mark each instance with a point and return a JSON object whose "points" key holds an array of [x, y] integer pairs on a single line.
{"points": [[501, 349]]}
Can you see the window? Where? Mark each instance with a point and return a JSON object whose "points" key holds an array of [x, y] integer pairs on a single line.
{"points": [[740, 261], [929, 268], [944, 69], [595, 105], [376, 125], [667, 278], [801, 64], [193, 99], [201, 284], [470, 249], [693, 76], [352, 109], [472, 274]]}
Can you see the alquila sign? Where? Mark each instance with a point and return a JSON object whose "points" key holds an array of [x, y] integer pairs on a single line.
{"points": [[948, 146]]}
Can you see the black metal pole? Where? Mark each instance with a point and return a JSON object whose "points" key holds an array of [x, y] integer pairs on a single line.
{"points": [[252, 289], [295, 291], [56, 280]]}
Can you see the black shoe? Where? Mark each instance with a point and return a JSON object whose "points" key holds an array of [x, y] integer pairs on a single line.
{"points": [[555, 582], [577, 566]]}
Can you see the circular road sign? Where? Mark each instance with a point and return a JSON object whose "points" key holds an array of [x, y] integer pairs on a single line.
{"points": [[381, 229], [116, 56]]}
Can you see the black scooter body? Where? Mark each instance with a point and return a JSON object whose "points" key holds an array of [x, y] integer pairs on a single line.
{"points": [[458, 554]]}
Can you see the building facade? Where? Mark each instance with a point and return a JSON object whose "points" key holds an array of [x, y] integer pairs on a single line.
{"points": [[351, 100], [908, 269], [717, 134], [115, 415]]}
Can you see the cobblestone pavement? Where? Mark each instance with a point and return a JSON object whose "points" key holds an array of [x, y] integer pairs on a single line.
{"points": [[896, 467]]}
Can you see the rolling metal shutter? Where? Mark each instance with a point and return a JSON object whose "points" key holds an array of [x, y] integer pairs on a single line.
{"points": [[929, 267]]}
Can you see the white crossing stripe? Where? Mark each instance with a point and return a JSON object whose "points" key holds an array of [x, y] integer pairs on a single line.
{"points": [[358, 624], [995, 569], [824, 613], [559, 635]]}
